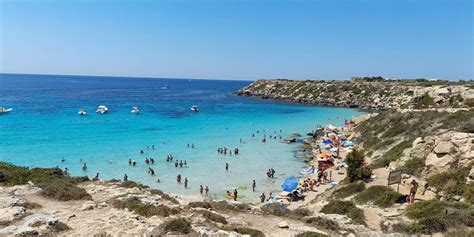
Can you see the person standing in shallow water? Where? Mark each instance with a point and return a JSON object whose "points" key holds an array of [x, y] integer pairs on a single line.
{"points": [[125, 178], [201, 189], [206, 190], [262, 198], [254, 185], [226, 166], [178, 178], [185, 182], [235, 194]]}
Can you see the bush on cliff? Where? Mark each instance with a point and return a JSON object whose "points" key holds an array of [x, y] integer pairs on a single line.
{"points": [[142, 209], [453, 182], [52, 181], [179, 225], [244, 231]]}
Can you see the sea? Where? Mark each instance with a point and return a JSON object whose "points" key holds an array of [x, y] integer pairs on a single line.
{"points": [[44, 128]]}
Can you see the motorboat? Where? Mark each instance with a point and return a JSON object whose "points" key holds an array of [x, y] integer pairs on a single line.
{"points": [[4, 111], [102, 109], [165, 87], [194, 108], [82, 112], [135, 110]]}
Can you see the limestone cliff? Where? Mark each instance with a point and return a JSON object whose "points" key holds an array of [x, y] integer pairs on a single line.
{"points": [[366, 95]]}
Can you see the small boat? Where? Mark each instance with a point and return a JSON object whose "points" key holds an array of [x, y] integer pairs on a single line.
{"points": [[165, 87], [102, 109], [82, 112], [4, 111], [194, 108], [135, 110]]}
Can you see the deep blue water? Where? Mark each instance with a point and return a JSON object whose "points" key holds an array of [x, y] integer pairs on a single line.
{"points": [[44, 127]]}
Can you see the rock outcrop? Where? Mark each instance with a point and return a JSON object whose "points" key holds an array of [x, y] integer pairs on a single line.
{"points": [[365, 95]]}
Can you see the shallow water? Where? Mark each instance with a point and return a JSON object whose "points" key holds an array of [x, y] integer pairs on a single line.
{"points": [[44, 127]]}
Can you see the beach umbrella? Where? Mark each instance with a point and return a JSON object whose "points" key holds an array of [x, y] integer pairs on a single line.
{"points": [[290, 184]]}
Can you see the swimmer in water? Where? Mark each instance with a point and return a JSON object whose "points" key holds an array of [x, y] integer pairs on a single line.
{"points": [[134, 163], [151, 171], [153, 147], [141, 152], [176, 164], [158, 181], [185, 163], [62, 159], [84, 166], [129, 161], [181, 163]]}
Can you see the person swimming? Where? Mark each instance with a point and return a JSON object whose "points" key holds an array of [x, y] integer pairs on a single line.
{"points": [[63, 160], [129, 161], [176, 164], [147, 161], [84, 166], [152, 160], [141, 152], [158, 181], [151, 171], [134, 163], [153, 147], [192, 145]]}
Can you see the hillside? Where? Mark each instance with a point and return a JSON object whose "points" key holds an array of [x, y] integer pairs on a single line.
{"points": [[366, 94]]}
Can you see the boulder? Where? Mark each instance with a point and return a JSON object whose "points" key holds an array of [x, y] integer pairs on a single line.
{"points": [[39, 219], [444, 147], [283, 224], [440, 162]]}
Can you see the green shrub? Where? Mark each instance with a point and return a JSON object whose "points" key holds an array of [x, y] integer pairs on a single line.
{"points": [[132, 184], [452, 182], [356, 90], [225, 206], [213, 216], [425, 101], [348, 190], [52, 181], [344, 208], [179, 225], [356, 169], [323, 223], [300, 212], [275, 209], [413, 166], [311, 234], [381, 196], [469, 102], [200, 204], [245, 231], [140, 208], [436, 216]]}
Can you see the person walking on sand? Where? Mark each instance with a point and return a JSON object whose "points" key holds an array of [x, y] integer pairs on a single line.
{"points": [[254, 185], [235, 194], [186, 182], [226, 166]]}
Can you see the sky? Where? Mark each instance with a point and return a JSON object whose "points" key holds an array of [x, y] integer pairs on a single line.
{"points": [[229, 39]]}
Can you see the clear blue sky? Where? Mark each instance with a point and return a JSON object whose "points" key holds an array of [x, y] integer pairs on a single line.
{"points": [[224, 39]]}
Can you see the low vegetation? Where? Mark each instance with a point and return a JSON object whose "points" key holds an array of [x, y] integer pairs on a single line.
{"points": [[52, 181], [164, 196], [381, 196], [142, 209], [348, 190], [323, 223], [244, 231], [213, 216], [179, 225], [413, 166], [453, 182], [275, 209], [347, 208], [220, 206], [434, 216], [311, 234]]}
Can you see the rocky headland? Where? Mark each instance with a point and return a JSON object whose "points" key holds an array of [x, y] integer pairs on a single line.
{"points": [[366, 94]]}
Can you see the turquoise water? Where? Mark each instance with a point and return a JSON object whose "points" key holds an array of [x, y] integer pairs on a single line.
{"points": [[44, 127]]}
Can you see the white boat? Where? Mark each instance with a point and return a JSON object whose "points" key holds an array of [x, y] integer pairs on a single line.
{"points": [[4, 111], [102, 109], [82, 112], [165, 87], [194, 108], [135, 110]]}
